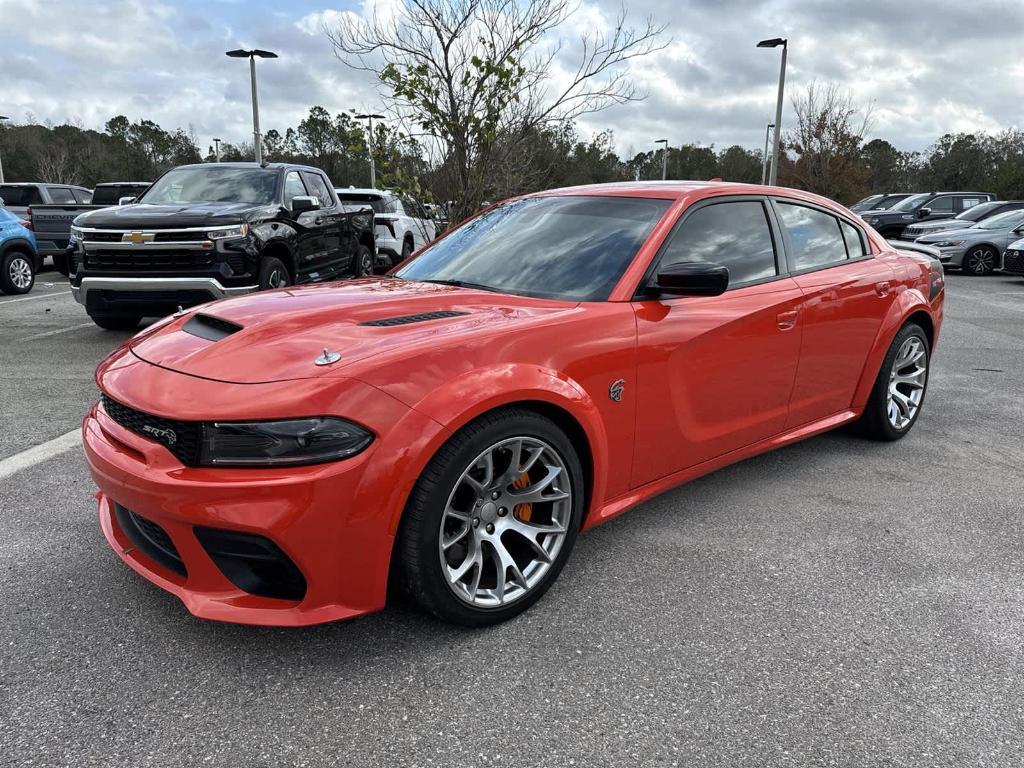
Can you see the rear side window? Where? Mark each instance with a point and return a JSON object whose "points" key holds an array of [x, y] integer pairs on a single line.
{"points": [[854, 241], [734, 234], [318, 187], [815, 236], [12, 194], [61, 195]]}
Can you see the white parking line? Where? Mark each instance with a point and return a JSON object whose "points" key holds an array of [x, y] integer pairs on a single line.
{"points": [[40, 453], [55, 294], [44, 334]]}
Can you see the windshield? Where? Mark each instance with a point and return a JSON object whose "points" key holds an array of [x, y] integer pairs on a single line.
{"points": [[567, 247], [210, 184], [977, 212], [911, 203], [866, 203], [1002, 221]]}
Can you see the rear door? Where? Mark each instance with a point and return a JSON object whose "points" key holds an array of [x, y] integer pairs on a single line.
{"points": [[715, 373], [846, 294]]}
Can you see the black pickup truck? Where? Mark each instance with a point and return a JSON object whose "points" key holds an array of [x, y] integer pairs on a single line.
{"points": [[212, 230], [52, 221]]}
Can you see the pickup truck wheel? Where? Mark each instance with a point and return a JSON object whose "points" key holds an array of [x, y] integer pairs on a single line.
{"points": [[363, 266], [111, 322], [273, 274], [17, 272]]}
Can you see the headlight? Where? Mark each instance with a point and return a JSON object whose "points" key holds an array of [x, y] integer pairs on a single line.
{"points": [[219, 233], [947, 243], [281, 443], [873, 220]]}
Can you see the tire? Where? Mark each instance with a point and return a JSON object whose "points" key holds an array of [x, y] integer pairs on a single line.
{"points": [[273, 274], [407, 248], [112, 322], [447, 499], [362, 266], [878, 422], [979, 261], [17, 272]]}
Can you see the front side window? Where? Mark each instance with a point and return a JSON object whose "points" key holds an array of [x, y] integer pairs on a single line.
{"points": [[569, 247], [293, 187], [735, 235], [210, 184], [940, 205], [815, 236]]}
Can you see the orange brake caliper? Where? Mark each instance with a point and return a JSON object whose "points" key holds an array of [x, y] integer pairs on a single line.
{"points": [[522, 511]]}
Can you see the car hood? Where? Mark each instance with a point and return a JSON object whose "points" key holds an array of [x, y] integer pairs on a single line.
{"points": [[961, 234], [927, 227], [281, 333], [143, 216]]}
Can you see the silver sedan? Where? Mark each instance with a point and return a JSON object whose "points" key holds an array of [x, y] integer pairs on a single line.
{"points": [[977, 250]]}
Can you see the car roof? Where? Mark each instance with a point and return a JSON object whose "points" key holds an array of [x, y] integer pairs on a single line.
{"points": [[270, 166]]}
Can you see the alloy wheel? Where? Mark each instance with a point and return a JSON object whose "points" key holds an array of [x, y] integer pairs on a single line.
{"points": [[366, 264], [277, 279], [907, 382], [981, 261], [505, 522], [20, 272]]}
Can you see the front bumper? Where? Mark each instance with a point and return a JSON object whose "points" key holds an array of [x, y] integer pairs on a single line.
{"points": [[150, 296]]}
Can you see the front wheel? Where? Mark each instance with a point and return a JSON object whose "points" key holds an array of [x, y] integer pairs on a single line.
{"points": [[273, 274], [980, 260], [492, 520], [363, 266], [17, 272], [898, 394]]}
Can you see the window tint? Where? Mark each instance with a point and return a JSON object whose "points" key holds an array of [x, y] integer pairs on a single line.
{"points": [[83, 196], [61, 195], [318, 188], [815, 236], [854, 242], [293, 187], [940, 205], [735, 235]]}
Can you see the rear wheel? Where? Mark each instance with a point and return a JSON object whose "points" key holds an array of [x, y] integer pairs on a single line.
{"points": [[492, 520], [407, 247], [273, 274], [980, 260], [115, 322], [899, 390], [17, 272]]}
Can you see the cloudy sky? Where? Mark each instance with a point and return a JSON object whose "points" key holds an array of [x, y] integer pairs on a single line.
{"points": [[928, 68]]}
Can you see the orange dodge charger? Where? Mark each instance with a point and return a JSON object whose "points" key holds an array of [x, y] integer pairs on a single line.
{"points": [[279, 458]]}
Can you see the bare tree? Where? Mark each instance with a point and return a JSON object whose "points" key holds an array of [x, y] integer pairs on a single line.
{"points": [[479, 77], [827, 143], [56, 164]]}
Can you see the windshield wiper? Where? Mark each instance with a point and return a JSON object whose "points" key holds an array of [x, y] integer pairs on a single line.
{"points": [[462, 284]]}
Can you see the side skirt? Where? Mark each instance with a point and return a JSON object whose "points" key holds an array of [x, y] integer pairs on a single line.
{"points": [[618, 505]]}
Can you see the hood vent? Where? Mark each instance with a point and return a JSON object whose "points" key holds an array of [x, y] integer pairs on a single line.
{"points": [[209, 327], [408, 319]]}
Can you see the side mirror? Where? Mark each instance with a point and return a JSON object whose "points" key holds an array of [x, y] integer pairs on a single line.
{"points": [[125, 200], [303, 203], [922, 212], [693, 278]]}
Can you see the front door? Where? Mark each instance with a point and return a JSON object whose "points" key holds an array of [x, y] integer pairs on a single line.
{"points": [[310, 250], [715, 373]]}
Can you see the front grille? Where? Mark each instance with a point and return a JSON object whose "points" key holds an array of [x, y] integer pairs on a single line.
{"points": [[182, 438], [180, 237], [159, 236], [149, 259], [912, 233], [102, 237], [407, 319], [1013, 261], [151, 539]]}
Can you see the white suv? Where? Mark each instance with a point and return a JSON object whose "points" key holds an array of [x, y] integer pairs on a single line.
{"points": [[401, 226]]}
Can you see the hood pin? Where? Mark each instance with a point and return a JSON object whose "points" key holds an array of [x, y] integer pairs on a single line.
{"points": [[328, 358]]}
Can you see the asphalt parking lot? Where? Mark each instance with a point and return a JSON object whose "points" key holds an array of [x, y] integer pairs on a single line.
{"points": [[836, 603]]}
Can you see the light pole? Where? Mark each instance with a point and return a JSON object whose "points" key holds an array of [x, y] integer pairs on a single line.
{"points": [[775, 42], [764, 157], [216, 150], [664, 157], [369, 143], [2, 117], [251, 56]]}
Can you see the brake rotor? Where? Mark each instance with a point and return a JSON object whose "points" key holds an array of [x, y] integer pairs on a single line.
{"points": [[522, 512]]}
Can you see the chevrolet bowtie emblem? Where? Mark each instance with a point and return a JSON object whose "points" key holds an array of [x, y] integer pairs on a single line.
{"points": [[137, 238]]}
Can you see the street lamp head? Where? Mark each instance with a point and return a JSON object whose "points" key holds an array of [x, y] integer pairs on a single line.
{"points": [[240, 53], [4, 117], [775, 42], [367, 116], [661, 141], [264, 54]]}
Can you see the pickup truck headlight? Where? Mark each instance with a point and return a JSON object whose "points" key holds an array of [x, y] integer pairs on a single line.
{"points": [[281, 443], [76, 234], [219, 233], [872, 220], [948, 243]]}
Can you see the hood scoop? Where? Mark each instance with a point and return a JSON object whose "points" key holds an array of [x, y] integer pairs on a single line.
{"points": [[209, 327], [409, 319]]}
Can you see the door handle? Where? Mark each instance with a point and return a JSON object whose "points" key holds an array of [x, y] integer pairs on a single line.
{"points": [[787, 320], [883, 288]]}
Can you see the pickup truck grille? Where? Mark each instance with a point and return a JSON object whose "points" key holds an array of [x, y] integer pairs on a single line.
{"points": [[149, 259], [159, 236]]}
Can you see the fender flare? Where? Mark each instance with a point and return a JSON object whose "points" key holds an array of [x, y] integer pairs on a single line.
{"points": [[907, 303], [17, 243], [482, 390]]}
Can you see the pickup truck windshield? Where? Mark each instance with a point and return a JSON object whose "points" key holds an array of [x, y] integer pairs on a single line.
{"points": [[568, 247], [213, 185], [911, 203]]}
